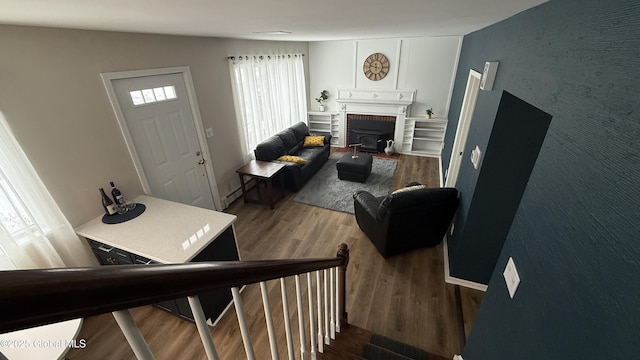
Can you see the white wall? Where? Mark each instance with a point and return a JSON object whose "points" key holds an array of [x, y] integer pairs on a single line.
{"points": [[329, 69], [426, 64], [387, 47], [429, 65]]}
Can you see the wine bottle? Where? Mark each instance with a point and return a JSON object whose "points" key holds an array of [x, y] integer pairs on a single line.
{"points": [[107, 203], [117, 195]]}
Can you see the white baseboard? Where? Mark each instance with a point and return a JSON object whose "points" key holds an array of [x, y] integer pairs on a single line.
{"points": [[231, 197], [454, 280], [236, 194]]}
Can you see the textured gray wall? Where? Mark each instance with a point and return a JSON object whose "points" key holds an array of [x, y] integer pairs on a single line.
{"points": [[517, 134], [575, 238]]}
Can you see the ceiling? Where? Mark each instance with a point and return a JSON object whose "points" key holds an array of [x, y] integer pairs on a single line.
{"points": [[243, 19]]}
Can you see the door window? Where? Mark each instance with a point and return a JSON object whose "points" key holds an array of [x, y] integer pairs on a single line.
{"points": [[149, 96]]}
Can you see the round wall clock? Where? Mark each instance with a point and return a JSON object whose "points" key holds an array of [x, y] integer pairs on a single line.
{"points": [[376, 67]]}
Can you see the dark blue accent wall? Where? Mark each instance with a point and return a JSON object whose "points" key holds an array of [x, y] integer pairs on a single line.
{"points": [[575, 237], [517, 134]]}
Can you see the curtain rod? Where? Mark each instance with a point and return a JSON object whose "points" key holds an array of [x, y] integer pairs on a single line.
{"points": [[241, 57]]}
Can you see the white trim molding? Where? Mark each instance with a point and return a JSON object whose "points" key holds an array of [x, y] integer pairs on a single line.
{"points": [[185, 71], [454, 280], [373, 97], [441, 171]]}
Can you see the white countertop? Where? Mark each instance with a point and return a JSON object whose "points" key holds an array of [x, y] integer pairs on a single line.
{"points": [[167, 232]]}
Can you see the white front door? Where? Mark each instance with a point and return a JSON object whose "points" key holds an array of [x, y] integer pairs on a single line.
{"points": [[464, 122], [157, 112]]}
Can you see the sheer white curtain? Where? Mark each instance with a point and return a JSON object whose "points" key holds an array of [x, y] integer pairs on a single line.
{"points": [[33, 231], [269, 94]]}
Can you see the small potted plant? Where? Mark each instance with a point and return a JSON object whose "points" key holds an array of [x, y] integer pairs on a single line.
{"points": [[429, 113], [322, 99]]}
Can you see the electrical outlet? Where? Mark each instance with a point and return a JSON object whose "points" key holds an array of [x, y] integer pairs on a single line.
{"points": [[511, 277]]}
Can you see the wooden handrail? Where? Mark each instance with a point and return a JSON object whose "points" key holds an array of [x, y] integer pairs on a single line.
{"points": [[31, 298]]}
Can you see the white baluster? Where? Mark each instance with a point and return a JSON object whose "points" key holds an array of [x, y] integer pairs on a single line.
{"points": [[332, 325], [287, 320], [203, 328], [327, 338], [303, 337], [312, 324], [133, 335], [319, 300], [267, 316], [337, 299], [242, 321]]}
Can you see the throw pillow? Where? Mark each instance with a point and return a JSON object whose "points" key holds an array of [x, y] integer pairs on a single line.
{"points": [[409, 188], [293, 159], [313, 141]]}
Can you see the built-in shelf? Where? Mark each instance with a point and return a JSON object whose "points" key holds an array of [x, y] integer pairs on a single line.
{"points": [[424, 136], [420, 136], [324, 123], [407, 138]]}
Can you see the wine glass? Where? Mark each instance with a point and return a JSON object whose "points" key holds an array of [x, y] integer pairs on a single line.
{"points": [[121, 208], [130, 205]]}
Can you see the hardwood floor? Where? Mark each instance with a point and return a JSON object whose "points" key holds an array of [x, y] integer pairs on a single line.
{"points": [[404, 298]]}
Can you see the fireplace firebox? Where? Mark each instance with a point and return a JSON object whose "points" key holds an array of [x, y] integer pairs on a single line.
{"points": [[372, 134], [371, 140]]}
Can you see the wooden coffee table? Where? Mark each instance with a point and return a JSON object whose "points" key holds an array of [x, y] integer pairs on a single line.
{"points": [[262, 171]]}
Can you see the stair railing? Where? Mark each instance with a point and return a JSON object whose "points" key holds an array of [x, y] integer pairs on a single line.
{"points": [[30, 298]]}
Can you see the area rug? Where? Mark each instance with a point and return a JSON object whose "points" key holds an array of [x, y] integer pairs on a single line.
{"points": [[327, 191]]}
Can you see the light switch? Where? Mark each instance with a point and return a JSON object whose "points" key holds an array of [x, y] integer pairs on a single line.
{"points": [[511, 277], [209, 132], [475, 157]]}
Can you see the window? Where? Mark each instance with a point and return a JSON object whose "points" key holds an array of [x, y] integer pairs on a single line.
{"points": [[269, 94], [149, 96], [13, 215], [33, 231]]}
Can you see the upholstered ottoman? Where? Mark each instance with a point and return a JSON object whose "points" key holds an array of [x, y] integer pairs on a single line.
{"points": [[357, 169]]}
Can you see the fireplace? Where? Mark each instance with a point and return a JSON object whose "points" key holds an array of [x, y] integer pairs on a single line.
{"points": [[372, 131], [376, 115]]}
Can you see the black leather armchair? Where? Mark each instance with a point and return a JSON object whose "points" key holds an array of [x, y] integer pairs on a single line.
{"points": [[408, 219]]}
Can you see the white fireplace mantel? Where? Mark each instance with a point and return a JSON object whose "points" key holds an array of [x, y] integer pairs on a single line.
{"points": [[381, 102], [374, 102]]}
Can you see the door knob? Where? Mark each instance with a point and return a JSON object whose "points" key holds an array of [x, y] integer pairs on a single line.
{"points": [[201, 162]]}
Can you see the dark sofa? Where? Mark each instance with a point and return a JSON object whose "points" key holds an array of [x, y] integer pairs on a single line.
{"points": [[290, 142], [408, 219]]}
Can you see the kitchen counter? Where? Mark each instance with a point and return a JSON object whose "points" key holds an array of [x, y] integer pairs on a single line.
{"points": [[166, 232], [169, 233]]}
